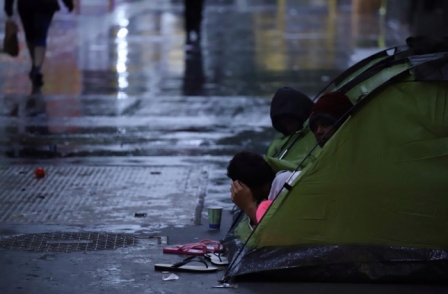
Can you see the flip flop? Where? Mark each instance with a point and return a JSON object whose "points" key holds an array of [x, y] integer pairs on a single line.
{"points": [[199, 248], [217, 258], [183, 267], [212, 246]]}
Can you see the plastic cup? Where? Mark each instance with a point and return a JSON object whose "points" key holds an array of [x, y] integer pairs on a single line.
{"points": [[214, 218]]}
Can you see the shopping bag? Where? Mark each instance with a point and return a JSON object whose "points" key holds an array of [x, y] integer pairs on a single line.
{"points": [[11, 42]]}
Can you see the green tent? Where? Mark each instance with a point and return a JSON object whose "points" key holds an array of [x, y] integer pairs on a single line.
{"points": [[287, 152], [373, 206]]}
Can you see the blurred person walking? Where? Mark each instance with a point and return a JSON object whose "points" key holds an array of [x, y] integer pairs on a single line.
{"points": [[36, 17]]}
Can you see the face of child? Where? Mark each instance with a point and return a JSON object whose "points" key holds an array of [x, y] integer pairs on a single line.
{"points": [[261, 193], [323, 131], [288, 125]]}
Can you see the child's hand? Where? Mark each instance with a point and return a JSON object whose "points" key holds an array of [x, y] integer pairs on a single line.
{"points": [[243, 198], [241, 194]]}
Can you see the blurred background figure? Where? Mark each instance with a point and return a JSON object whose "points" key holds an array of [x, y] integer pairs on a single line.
{"points": [[36, 17], [193, 18], [194, 77]]}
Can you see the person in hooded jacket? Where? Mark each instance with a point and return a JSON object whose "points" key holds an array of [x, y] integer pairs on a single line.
{"points": [[289, 111], [36, 17], [255, 185], [328, 114]]}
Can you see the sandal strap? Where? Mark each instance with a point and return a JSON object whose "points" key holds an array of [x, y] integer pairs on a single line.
{"points": [[219, 256], [209, 242], [197, 246], [217, 246], [191, 259], [202, 245]]}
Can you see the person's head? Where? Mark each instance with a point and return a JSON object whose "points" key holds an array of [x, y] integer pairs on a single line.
{"points": [[325, 118], [252, 170], [289, 110]]}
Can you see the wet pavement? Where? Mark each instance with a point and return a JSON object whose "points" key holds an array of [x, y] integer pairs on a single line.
{"points": [[130, 122], [120, 84]]}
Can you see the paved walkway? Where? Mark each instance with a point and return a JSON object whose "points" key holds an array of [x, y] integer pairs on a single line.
{"points": [[120, 85], [129, 122]]}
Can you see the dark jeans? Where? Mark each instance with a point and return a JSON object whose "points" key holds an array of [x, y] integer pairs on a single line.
{"points": [[36, 25]]}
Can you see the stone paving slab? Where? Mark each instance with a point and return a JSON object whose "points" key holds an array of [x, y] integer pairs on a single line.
{"points": [[168, 196]]}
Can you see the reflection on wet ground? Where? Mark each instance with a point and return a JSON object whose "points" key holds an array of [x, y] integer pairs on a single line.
{"points": [[248, 48], [119, 83], [133, 126]]}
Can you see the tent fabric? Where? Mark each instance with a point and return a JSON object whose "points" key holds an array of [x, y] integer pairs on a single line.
{"points": [[435, 70], [415, 46], [360, 86], [373, 205], [402, 145], [360, 67], [288, 147], [293, 149], [340, 263], [281, 143]]}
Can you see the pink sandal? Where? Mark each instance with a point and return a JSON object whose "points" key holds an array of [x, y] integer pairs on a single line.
{"points": [[200, 248], [212, 246]]}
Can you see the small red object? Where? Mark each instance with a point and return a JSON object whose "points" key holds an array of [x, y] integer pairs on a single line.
{"points": [[39, 172]]}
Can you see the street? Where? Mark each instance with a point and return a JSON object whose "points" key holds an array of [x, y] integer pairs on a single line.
{"points": [[135, 133]]}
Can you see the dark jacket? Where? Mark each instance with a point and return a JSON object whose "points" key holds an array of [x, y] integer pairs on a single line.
{"points": [[290, 102], [36, 5]]}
